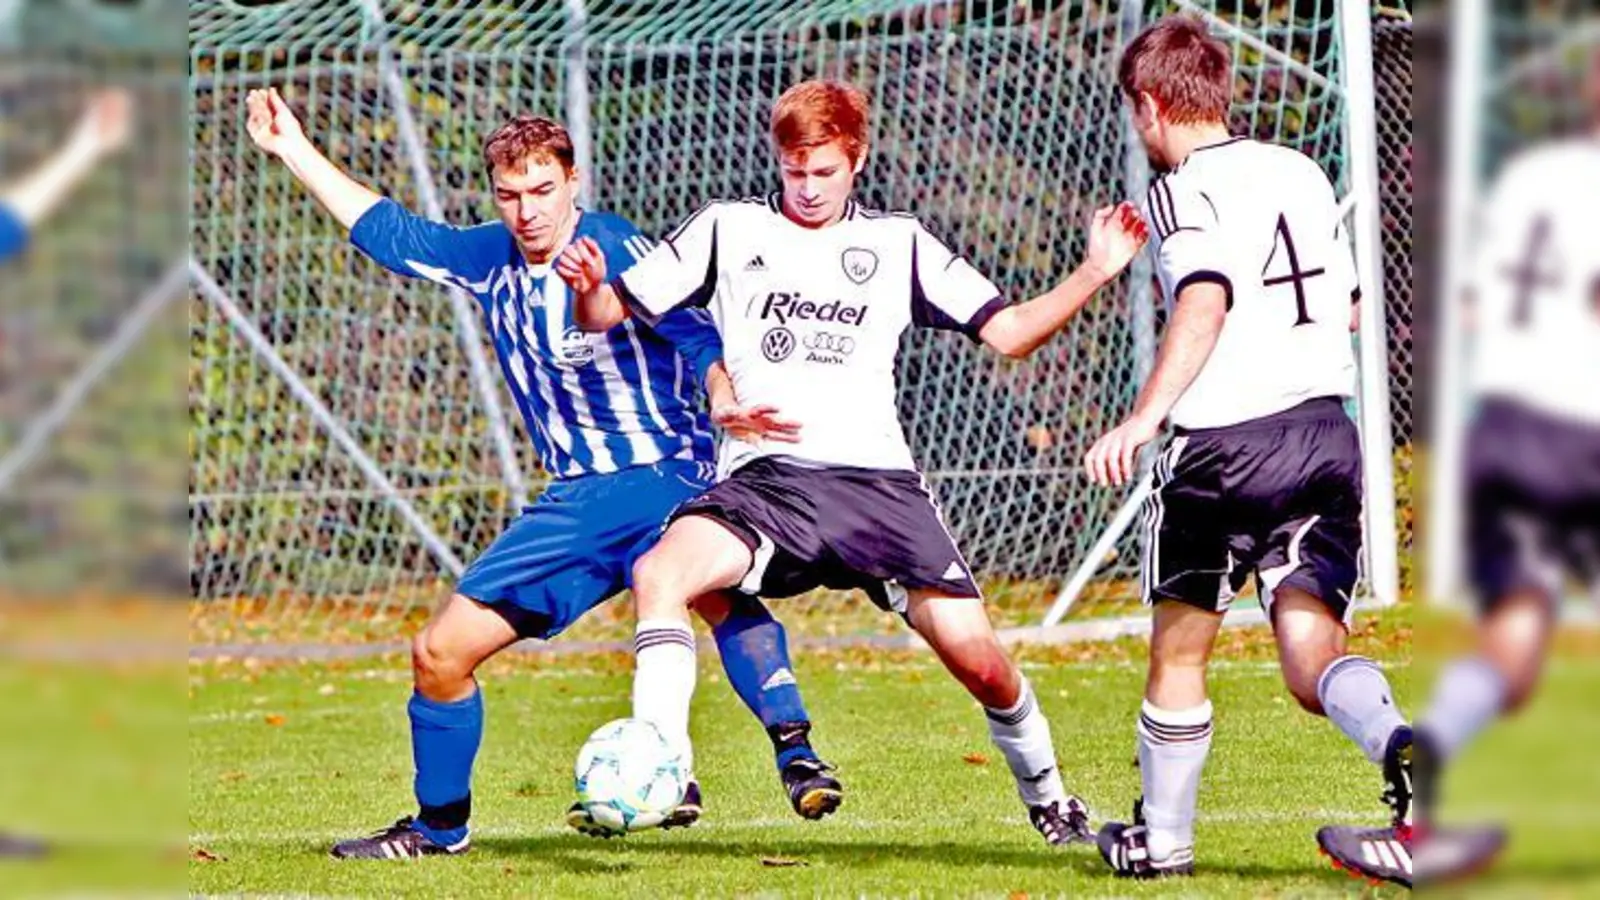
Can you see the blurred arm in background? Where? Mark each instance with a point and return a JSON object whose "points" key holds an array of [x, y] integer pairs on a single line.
{"points": [[102, 129]]}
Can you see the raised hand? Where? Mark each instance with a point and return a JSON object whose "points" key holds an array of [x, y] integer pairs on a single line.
{"points": [[582, 266], [1116, 235], [106, 122], [272, 125]]}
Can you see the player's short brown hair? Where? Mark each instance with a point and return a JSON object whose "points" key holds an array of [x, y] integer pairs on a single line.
{"points": [[524, 138], [1179, 63], [813, 113]]}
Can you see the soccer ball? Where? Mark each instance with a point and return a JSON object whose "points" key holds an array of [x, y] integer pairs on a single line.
{"points": [[628, 777]]}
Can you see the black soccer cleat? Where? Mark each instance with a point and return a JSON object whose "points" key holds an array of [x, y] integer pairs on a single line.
{"points": [[1375, 854], [1397, 769], [1126, 848], [1062, 824], [688, 811], [401, 840], [813, 792]]}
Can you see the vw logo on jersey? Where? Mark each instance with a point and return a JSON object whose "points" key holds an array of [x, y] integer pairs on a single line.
{"points": [[824, 342], [777, 344], [859, 263], [577, 348]]}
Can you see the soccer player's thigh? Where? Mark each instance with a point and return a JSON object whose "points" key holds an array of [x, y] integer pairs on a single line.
{"points": [[1309, 562], [557, 560], [1528, 520]]}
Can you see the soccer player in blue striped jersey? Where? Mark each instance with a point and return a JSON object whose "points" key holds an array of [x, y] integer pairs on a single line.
{"points": [[617, 422], [102, 129]]}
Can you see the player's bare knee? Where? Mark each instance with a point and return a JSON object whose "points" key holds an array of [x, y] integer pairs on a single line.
{"points": [[986, 672], [437, 673]]}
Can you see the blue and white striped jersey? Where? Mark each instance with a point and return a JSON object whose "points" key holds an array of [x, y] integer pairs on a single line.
{"points": [[13, 233], [592, 403]]}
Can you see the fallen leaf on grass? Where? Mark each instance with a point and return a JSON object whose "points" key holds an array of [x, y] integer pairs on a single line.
{"points": [[977, 759], [1017, 895], [778, 862], [232, 776], [201, 854], [275, 719]]}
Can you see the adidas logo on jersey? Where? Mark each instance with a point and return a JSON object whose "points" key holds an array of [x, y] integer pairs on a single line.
{"points": [[779, 679], [756, 264]]}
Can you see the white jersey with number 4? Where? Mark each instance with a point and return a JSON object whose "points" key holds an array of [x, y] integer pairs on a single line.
{"points": [[1261, 221], [1536, 283], [811, 318]]}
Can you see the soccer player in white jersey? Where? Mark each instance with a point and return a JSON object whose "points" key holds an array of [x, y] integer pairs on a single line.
{"points": [[1533, 469], [811, 294], [1263, 474], [617, 422]]}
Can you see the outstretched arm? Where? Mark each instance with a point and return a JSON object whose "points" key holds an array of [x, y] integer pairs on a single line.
{"points": [[1116, 234], [102, 129], [275, 129], [1190, 338]]}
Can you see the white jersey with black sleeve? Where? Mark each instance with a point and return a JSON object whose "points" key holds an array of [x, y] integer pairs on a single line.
{"points": [[811, 318], [1262, 221], [1536, 283]]}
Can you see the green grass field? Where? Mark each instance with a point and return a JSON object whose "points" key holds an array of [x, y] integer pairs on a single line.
{"points": [[284, 759]]}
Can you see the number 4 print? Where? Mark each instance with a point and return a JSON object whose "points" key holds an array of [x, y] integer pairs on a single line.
{"points": [[1296, 274]]}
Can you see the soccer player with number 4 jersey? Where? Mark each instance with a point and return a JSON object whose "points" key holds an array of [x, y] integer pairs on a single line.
{"points": [[1263, 475], [811, 293]]}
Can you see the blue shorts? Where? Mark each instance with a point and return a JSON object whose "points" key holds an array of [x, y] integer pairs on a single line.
{"points": [[574, 548]]}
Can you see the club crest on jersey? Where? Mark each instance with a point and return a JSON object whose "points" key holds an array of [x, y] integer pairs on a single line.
{"points": [[859, 263], [777, 343], [576, 348]]}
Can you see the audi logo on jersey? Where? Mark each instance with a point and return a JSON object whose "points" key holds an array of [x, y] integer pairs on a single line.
{"points": [[786, 306], [777, 344], [829, 343]]}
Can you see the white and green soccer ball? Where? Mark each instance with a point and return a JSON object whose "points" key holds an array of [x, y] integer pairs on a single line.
{"points": [[628, 777]]}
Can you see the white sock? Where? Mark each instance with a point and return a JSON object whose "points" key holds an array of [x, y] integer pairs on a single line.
{"points": [[1023, 735], [1470, 695], [663, 680], [1173, 745], [1356, 696]]}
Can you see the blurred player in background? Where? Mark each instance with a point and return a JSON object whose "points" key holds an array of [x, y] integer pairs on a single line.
{"points": [[617, 422], [1263, 475], [1533, 465], [102, 130], [812, 293]]}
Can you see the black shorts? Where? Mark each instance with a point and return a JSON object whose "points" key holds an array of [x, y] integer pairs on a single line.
{"points": [[1278, 497], [839, 527], [1533, 502]]}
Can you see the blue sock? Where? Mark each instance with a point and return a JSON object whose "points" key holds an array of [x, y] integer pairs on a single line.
{"points": [[755, 654], [444, 741]]}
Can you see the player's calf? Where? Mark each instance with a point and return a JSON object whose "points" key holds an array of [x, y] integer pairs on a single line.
{"points": [[959, 631]]}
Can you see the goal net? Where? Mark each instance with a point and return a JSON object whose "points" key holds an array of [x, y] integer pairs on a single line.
{"points": [[999, 124]]}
